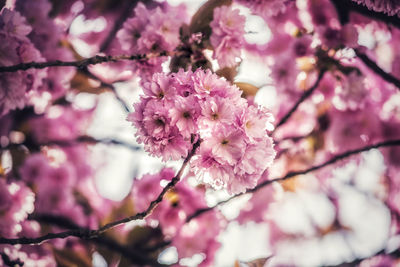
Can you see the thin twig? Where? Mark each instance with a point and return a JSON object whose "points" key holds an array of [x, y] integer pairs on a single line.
{"points": [[395, 254], [79, 63], [107, 85], [118, 24], [296, 173], [9, 262], [305, 95], [155, 202], [89, 234], [134, 256], [375, 68], [81, 139]]}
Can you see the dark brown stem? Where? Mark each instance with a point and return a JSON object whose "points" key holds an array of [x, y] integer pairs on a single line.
{"points": [[9, 262], [395, 254], [296, 173], [107, 85], [344, 7], [305, 95], [118, 24], [90, 234], [81, 139], [65, 222], [79, 63], [375, 68]]}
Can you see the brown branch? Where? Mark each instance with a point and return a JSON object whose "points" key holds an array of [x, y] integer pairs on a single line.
{"points": [[65, 222], [155, 202], [79, 63], [344, 7], [296, 173], [107, 85], [305, 95], [81, 139], [89, 234], [92, 140], [375, 68], [9, 262], [118, 24], [395, 254]]}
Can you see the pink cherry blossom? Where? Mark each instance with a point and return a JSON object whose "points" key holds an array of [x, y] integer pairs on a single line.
{"points": [[227, 35]]}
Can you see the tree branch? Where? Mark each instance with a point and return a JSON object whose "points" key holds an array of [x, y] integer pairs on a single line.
{"points": [[344, 7], [292, 174], [107, 85], [118, 24], [305, 95], [90, 234], [65, 222], [79, 63], [375, 68], [81, 139], [356, 262], [9, 262]]}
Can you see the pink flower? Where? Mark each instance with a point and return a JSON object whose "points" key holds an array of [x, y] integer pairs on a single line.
{"points": [[354, 93], [145, 190], [265, 8], [254, 121], [12, 92], [257, 158], [302, 46], [210, 170], [184, 115], [216, 110], [16, 202], [153, 30], [207, 107], [352, 129], [207, 84], [390, 7], [227, 144], [156, 121], [34, 168], [14, 24], [227, 35], [284, 73], [60, 123], [132, 29], [160, 87]]}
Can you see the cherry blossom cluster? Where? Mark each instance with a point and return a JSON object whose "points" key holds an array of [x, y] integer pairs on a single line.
{"points": [[265, 8], [152, 31], [227, 36], [197, 236], [15, 47], [335, 74], [389, 7], [16, 202], [179, 108]]}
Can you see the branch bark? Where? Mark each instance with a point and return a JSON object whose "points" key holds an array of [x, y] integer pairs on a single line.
{"points": [[107, 85], [118, 24], [90, 234], [375, 68], [81, 139], [305, 95], [296, 173], [344, 7], [79, 63], [104, 241]]}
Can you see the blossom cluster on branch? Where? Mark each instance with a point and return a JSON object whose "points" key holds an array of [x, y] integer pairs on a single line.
{"points": [[310, 150]]}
